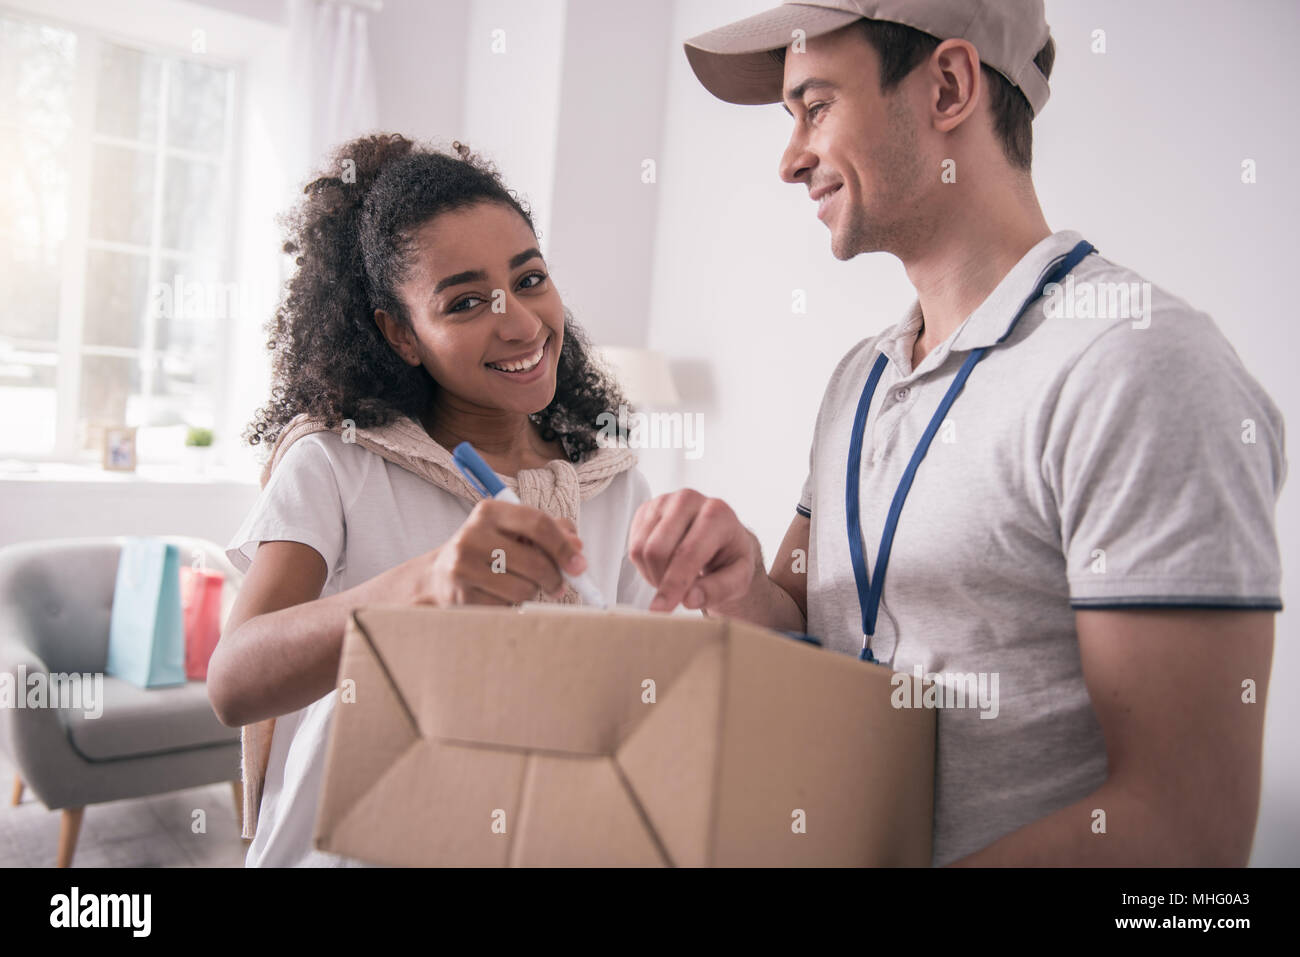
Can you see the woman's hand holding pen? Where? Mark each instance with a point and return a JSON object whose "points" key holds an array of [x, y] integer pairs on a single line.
{"points": [[503, 554]]}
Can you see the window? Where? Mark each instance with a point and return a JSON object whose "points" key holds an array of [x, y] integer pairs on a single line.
{"points": [[114, 238]]}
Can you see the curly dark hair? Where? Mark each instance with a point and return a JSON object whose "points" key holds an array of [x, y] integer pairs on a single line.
{"points": [[352, 237]]}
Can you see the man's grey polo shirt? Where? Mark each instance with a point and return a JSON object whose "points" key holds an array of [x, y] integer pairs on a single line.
{"points": [[1117, 462]]}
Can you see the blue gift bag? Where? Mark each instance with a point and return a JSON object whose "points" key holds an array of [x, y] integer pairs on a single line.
{"points": [[146, 635]]}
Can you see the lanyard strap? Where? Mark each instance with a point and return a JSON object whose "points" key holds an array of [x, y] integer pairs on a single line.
{"points": [[869, 588]]}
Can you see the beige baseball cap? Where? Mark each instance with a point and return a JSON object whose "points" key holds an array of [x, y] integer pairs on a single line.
{"points": [[734, 64]]}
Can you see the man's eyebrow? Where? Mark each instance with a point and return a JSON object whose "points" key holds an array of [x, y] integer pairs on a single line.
{"points": [[478, 275], [812, 83]]}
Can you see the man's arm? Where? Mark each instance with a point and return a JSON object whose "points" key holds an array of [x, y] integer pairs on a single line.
{"points": [[1183, 748]]}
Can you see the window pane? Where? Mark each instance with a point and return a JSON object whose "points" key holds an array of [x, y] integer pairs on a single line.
{"points": [[196, 108], [121, 194], [36, 71], [186, 388], [110, 393], [34, 189], [116, 299], [29, 292], [193, 301], [191, 208], [28, 399], [127, 94]]}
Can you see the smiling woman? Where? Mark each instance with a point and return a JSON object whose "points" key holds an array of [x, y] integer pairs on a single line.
{"points": [[399, 242], [421, 315], [489, 335]]}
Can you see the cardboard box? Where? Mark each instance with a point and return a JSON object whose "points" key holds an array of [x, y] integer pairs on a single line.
{"points": [[505, 737]]}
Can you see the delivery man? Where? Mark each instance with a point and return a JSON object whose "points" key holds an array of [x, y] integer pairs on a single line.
{"points": [[1067, 475]]}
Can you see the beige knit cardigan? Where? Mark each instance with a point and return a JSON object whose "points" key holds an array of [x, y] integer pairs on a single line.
{"points": [[558, 489]]}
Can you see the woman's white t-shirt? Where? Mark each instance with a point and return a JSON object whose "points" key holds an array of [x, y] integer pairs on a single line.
{"points": [[364, 515]]}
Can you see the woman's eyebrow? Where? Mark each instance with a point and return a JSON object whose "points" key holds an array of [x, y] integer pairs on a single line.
{"points": [[524, 256], [478, 275]]}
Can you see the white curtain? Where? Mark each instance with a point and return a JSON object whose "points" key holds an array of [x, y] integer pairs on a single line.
{"points": [[332, 76]]}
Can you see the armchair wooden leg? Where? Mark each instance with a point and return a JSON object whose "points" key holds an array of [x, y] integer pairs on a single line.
{"points": [[237, 789], [18, 790], [68, 833]]}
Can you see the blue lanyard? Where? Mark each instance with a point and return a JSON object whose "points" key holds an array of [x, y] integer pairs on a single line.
{"points": [[870, 589]]}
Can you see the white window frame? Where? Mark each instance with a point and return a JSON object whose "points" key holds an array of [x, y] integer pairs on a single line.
{"points": [[81, 18]]}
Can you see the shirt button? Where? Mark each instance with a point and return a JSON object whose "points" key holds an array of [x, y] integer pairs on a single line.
{"points": [[902, 394]]}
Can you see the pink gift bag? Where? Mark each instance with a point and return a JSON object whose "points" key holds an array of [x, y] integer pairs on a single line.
{"points": [[201, 612]]}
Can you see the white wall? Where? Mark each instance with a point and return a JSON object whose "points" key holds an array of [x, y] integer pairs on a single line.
{"points": [[419, 52], [611, 121], [121, 505], [1140, 149], [515, 49]]}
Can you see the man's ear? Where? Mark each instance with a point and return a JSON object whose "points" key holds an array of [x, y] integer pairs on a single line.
{"points": [[399, 336], [958, 83]]}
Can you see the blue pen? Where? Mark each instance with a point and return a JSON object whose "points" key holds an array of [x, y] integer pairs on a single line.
{"points": [[480, 475]]}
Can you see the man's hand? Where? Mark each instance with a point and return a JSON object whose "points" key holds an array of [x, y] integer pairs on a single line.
{"points": [[694, 550]]}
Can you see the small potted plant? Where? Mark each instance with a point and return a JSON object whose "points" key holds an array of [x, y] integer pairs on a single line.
{"points": [[200, 441]]}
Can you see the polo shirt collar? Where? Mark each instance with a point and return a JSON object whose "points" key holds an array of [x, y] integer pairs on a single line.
{"points": [[994, 316]]}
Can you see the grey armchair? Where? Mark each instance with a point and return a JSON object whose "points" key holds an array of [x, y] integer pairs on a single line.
{"points": [[55, 601]]}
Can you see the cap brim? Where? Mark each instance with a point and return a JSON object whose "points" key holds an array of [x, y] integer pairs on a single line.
{"points": [[735, 63]]}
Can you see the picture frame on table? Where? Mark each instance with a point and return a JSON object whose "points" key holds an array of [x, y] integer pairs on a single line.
{"points": [[119, 448]]}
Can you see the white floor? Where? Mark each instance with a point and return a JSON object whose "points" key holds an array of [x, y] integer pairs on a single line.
{"points": [[143, 832]]}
